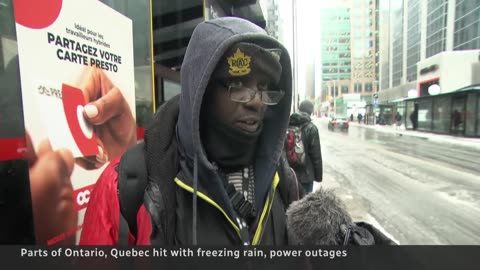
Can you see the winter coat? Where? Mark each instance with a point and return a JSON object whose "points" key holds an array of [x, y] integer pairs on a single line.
{"points": [[216, 219], [313, 170]]}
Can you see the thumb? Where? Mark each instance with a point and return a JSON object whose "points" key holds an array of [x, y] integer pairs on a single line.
{"points": [[105, 108], [31, 155]]}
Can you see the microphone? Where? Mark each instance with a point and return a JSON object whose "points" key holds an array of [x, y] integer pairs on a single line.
{"points": [[321, 218]]}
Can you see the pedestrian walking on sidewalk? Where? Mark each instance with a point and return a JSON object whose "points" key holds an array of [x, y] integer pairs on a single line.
{"points": [[398, 120], [359, 117], [414, 117], [303, 147]]}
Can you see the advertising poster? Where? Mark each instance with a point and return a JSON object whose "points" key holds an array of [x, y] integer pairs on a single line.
{"points": [[77, 79]]}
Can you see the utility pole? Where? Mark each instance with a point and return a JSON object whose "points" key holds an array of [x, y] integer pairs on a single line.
{"points": [[336, 83], [374, 110], [335, 96], [295, 55]]}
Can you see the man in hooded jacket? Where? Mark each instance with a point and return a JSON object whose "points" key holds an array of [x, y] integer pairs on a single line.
{"points": [[226, 132], [312, 170]]}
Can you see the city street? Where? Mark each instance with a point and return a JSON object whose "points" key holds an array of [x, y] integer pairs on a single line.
{"points": [[419, 191]]}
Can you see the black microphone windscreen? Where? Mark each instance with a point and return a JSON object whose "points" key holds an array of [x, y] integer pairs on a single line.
{"points": [[316, 219]]}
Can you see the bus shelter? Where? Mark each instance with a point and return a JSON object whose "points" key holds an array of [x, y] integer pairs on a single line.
{"points": [[381, 114], [453, 113]]}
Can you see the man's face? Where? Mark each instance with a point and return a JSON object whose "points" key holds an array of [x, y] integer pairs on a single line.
{"points": [[245, 116]]}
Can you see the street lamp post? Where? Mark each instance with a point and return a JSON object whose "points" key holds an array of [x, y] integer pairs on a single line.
{"points": [[335, 98], [295, 55]]}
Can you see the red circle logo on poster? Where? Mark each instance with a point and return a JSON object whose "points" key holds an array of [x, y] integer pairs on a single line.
{"points": [[36, 14]]}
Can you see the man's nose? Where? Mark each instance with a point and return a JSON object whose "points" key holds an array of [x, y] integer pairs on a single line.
{"points": [[256, 102]]}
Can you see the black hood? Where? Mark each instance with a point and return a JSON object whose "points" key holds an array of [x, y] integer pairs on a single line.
{"points": [[209, 41], [298, 119]]}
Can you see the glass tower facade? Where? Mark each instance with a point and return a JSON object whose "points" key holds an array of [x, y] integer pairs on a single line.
{"points": [[437, 26], [397, 50], [413, 38], [336, 35], [467, 25]]}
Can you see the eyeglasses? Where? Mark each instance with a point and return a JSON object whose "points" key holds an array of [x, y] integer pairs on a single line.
{"points": [[240, 93]]}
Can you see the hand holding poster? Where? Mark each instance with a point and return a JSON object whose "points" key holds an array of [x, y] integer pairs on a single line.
{"points": [[77, 80]]}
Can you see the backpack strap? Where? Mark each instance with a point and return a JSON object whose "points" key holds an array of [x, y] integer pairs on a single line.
{"points": [[289, 191], [162, 161], [123, 231], [288, 187], [132, 181]]}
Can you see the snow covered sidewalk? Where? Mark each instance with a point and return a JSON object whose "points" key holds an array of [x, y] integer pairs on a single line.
{"points": [[460, 141]]}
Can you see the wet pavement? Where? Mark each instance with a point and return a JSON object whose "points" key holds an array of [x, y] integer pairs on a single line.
{"points": [[419, 191]]}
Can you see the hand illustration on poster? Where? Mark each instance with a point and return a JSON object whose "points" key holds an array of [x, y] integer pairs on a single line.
{"points": [[93, 120], [109, 114], [52, 192], [61, 108]]}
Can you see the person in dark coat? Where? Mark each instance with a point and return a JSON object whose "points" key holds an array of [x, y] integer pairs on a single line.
{"points": [[359, 117], [223, 135], [398, 120], [313, 170], [414, 117]]}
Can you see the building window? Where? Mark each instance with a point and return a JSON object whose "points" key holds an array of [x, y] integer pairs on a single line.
{"points": [[397, 50], [470, 114], [335, 90], [467, 26], [424, 117], [358, 87], [344, 89], [436, 27], [413, 39], [441, 114], [369, 87]]}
